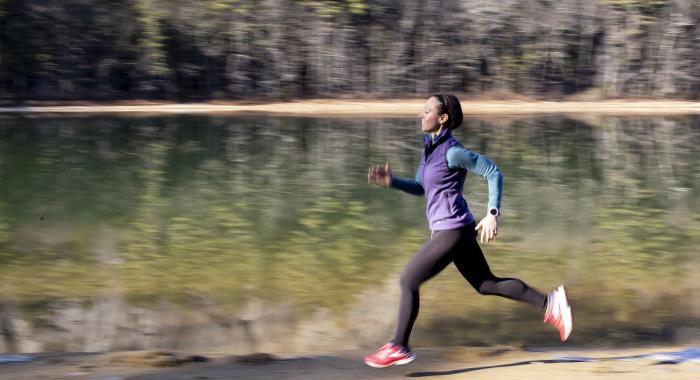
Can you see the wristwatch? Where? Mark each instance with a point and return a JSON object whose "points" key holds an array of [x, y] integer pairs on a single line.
{"points": [[494, 211]]}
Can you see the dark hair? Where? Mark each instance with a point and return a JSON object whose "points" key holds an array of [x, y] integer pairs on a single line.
{"points": [[449, 104]]}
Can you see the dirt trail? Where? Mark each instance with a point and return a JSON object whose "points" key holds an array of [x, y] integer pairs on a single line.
{"points": [[437, 363]]}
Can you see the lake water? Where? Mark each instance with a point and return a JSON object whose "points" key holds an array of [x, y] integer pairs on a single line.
{"points": [[243, 234]]}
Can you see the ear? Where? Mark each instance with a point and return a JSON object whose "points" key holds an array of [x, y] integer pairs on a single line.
{"points": [[443, 118]]}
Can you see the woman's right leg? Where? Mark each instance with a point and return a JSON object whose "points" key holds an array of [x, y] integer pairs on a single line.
{"points": [[429, 261], [470, 261]]}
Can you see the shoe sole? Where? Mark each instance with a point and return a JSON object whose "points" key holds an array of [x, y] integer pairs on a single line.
{"points": [[566, 315], [398, 362]]}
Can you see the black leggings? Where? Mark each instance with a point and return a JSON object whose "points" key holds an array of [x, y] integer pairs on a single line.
{"points": [[458, 246]]}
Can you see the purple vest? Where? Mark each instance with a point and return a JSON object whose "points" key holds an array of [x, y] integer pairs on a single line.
{"points": [[446, 209]]}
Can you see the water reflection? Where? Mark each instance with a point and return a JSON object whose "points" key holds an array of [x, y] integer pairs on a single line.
{"points": [[260, 233]]}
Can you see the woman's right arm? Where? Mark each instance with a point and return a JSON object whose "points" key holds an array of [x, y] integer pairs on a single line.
{"points": [[409, 185], [382, 176]]}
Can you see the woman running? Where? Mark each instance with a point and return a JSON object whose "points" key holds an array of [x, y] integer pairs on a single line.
{"points": [[440, 177]]}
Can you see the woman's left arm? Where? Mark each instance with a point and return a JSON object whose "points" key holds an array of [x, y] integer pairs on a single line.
{"points": [[461, 158]]}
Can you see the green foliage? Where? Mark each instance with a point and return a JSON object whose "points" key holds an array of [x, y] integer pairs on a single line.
{"points": [[644, 6], [222, 5], [333, 8], [152, 39]]}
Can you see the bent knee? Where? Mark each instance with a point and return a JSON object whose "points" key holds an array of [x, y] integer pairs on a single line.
{"points": [[406, 281]]}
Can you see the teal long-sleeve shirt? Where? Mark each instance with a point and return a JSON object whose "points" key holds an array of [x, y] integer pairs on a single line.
{"points": [[459, 157]]}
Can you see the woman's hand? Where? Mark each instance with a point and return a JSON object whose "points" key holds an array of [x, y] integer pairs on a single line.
{"points": [[489, 228], [379, 175]]}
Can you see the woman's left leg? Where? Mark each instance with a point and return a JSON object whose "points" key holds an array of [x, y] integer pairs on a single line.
{"points": [[428, 262]]}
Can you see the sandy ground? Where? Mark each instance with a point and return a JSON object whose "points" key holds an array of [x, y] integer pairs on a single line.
{"points": [[404, 107], [443, 363]]}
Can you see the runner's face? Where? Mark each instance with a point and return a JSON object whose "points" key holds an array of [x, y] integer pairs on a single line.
{"points": [[429, 118]]}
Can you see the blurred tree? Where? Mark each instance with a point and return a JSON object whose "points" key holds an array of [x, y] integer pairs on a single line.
{"points": [[183, 49]]}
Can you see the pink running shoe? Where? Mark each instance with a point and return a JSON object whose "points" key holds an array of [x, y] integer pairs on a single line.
{"points": [[558, 313], [388, 355]]}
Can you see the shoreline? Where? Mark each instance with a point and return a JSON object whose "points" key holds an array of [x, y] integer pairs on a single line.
{"points": [[390, 108]]}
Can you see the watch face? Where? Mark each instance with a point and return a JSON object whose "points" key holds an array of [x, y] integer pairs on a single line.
{"points": [[493, 211]]}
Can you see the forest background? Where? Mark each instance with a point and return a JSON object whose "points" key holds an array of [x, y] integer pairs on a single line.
{"points": [[288, 49]]}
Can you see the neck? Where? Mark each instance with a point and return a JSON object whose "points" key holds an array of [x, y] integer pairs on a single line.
{"points": [[435, 134]]}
